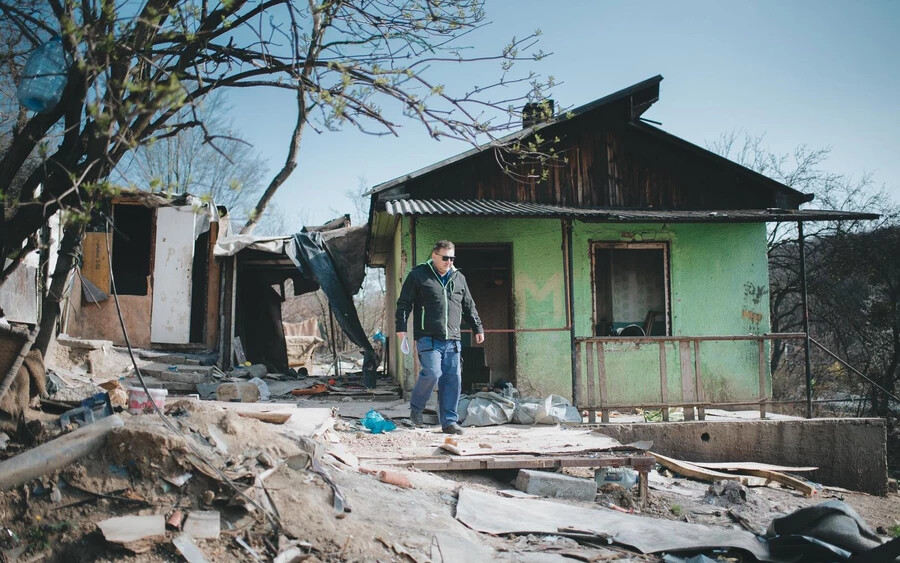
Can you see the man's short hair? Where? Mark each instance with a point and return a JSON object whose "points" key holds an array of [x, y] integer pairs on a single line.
{"points": [[442, 244]]}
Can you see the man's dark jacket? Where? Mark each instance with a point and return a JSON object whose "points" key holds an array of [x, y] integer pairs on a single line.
{"points": [[437, 310]]}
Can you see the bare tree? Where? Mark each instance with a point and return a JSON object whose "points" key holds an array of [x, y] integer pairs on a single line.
{"points": [[230, 173], [804, 170], [140, 69]]}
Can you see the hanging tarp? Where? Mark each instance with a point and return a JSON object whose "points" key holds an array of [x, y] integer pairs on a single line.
{"points": [[310, 254]]}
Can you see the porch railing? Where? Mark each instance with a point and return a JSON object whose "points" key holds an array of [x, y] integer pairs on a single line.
{"points": [[591, 389]]}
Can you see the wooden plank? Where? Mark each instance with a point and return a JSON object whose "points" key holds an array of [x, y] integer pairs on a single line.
{"points": [[693, 471], [663, 381], [751, 465], [642, 463], [698, 381], [579, 373], [170, 321], [762, 379], [687, 384], [95, 262], [601, 374], [544, 441], [239, 355], [589, 357], [270, 417]]}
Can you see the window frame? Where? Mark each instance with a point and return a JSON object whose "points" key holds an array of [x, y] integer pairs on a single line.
{"points": [[594, 245]]}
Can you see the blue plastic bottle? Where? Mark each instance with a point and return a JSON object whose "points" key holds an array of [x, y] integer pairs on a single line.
{"points": [[44, 77]]}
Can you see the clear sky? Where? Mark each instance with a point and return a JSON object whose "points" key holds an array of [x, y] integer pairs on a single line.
{"points": [[820, 73]]}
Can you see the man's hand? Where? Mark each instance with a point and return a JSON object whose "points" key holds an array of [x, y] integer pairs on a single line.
{"points": [[401, 336], [479, 337]]}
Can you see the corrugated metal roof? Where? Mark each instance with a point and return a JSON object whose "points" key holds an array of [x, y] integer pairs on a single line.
{"points": [[494, 208]]}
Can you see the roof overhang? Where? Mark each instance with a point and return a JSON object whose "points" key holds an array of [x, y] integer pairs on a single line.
{"points": [[494, 208]]}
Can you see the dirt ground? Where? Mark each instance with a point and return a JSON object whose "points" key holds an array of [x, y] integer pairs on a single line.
{"points": [[55, 518]]}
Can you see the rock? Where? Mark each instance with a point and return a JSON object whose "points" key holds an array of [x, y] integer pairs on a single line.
{"points": [[555, 485], [230, 422], [730, 491], [266, 459], [208, 497], [243, 392], [134, 533]]}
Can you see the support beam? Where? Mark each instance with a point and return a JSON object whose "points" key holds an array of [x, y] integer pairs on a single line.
{"points": [[570, 301], [801, 243]]}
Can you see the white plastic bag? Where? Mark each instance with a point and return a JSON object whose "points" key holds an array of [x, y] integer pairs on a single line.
{"points": [[263, 388], [488, 409], [555, 409]]}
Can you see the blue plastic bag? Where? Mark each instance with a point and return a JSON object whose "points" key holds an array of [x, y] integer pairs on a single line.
{"points": [[376, 423]]}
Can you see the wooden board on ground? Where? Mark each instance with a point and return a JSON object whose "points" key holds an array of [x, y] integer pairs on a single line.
{"points": [[493, 514], [549, 440], [479, 463], [270, 417], [751, 466], [688, 469]]}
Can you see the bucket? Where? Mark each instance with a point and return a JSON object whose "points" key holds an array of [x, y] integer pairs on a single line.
{"points": [[139, 402]]}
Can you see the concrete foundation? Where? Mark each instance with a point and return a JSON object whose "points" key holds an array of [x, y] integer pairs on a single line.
{"points": [[850, 453]]}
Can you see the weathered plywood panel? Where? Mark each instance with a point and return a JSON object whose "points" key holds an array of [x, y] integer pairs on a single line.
{"points": [[171, 319], [18, 295], [95, 264]]}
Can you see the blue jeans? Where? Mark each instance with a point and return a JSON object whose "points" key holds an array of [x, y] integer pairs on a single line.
{"points": [[440, 366]]}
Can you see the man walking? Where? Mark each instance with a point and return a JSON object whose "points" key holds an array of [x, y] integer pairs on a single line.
{"points": [[436, 296]]}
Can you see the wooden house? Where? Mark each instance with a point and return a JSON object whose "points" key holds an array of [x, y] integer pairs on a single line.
{"points": [[633, 273]]}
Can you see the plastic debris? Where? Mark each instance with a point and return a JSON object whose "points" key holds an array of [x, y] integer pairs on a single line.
{"points": [[376, 423]]}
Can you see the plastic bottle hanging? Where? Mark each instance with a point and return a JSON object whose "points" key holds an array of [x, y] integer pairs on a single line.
{"points": [[44, 77]]}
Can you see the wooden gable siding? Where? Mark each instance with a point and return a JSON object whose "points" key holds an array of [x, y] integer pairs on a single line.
{"points": [[609, 163]]}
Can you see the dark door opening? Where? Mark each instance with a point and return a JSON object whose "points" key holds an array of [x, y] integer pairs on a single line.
{"points": [[488, 270], [132, 246]]}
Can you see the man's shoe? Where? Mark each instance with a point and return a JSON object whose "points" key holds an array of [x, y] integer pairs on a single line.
{"points": [[452, 428], [416, 418]]}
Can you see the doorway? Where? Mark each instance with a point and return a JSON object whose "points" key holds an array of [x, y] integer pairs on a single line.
{"points": [[488, 271]]}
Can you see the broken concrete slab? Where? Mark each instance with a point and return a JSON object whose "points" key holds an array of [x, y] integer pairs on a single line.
{"points": [[134, 533], [178, 373], [493, 514], [203, 524], [156, 383], [82, 343], [555, 485], [188, 549], [243, 392]]}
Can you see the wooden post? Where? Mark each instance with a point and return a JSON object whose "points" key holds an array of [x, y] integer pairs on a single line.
{"points": [[762, 378], [591, 403], [663, 381], [687, 384], [801, 243], [601, 374], [698, 382]]}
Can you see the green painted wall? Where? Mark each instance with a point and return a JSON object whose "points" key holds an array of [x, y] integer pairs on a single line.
{"points": [[718, 286], [719, 282]]}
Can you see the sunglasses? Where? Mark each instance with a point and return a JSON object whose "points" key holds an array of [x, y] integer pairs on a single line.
{"points": [[447, 258]]}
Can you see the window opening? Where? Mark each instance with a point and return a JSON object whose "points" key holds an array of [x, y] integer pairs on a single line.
{"points": [[631, 289]]}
